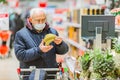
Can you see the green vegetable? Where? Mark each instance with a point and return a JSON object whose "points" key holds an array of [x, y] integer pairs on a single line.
{"points": [[85, 61], [116, 45], [99, 65], [4, 1], [103, 64]]}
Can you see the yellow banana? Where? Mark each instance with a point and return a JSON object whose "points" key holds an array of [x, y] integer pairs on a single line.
{"points": [[49, 41], [49, 38]]}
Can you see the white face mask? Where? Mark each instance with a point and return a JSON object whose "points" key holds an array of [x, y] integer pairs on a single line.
{"points": [[39, 26]]}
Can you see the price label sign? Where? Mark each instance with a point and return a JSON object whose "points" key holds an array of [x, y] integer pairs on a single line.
{"points": [[4, 21]]}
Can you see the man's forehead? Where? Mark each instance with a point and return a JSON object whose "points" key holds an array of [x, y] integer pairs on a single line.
{"points": [[39, 14]]}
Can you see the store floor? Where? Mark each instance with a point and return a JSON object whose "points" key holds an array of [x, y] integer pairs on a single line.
{"points": [[8, 68]]}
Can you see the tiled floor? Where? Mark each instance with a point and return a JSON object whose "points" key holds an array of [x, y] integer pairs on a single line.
{"points": [[8, 68]]}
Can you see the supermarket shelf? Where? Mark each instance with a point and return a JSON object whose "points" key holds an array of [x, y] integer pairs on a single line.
{"points": [[75, 44], [73, 24], [68, 25]]}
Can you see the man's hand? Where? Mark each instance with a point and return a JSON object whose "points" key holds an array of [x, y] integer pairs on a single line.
{"points": [[45, 48], [58, 40]]}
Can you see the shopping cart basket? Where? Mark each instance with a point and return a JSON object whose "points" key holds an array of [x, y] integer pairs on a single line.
{"points": [[57, 75]]}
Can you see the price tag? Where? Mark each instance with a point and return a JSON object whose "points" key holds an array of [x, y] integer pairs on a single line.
{"points": [[4, 21]]}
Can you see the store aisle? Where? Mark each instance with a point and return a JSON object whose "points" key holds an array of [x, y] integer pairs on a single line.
{"points": [[8, 68]]}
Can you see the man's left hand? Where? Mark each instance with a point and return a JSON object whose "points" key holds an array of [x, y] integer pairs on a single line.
{"points": [[58, 40]]}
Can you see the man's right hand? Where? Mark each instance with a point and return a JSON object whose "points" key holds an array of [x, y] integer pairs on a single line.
{"points": [[44, 48]]}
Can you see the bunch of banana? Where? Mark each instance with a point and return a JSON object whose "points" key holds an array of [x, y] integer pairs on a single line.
{"points": [[49, 38]]}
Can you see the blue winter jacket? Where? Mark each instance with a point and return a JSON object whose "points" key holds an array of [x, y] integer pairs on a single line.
{"points": [[27, 49]]}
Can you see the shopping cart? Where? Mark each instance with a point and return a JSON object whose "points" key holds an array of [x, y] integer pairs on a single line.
{"points": [[57, 75]]}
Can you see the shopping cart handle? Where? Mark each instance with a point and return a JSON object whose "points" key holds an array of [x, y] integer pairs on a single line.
{"points": [[46, 69], [18, 70]]}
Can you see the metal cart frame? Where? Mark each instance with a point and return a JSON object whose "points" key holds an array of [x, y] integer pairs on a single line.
{"points": [[58, 75]]}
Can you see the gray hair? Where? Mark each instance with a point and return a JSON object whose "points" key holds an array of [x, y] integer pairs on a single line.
{"points": [[37, 10]]}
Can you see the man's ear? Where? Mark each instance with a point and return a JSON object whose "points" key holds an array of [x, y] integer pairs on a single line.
{"points": [[30, 19]]}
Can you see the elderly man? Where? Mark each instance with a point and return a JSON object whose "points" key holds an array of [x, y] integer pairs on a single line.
{"points": [[29, 45]]}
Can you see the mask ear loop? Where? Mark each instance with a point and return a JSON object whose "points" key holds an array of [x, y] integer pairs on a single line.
{"points": [[29, 23]]}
